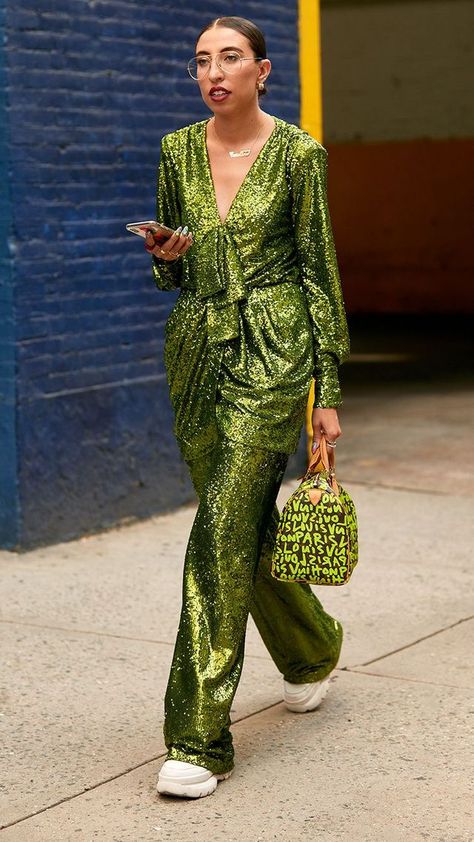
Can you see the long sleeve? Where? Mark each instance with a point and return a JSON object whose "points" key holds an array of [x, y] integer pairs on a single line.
{"points": [[319, 269], [167, 274]]}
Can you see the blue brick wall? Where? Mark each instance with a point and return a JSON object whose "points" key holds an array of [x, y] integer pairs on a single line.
{"points": [[9, 499], [91, 88]]}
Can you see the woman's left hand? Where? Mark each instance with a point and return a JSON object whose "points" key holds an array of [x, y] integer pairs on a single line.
{"points": [[325, 423]]}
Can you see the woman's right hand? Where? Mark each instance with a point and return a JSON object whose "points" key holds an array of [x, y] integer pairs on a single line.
{"points": [[174, 247]]}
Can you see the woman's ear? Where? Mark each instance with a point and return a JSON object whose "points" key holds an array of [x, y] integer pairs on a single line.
{"points": [[266, 65]]}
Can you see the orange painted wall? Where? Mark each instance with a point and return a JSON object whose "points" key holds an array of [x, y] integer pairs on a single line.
{"points": [[402, 220]]}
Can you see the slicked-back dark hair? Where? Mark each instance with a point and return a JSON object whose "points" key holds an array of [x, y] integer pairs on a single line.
{"points": [[249, 30]]}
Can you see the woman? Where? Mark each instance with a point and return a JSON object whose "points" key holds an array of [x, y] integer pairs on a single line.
{"points": [[260, 313]]}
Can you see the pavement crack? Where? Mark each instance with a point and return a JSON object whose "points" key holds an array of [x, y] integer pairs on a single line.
{"points": [[121, 774], [393, 487], [97, 633], [406, 678], [409, 645], [81, 792]]}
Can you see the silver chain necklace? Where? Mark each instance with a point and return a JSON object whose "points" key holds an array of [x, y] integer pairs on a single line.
{"points": [[243, 153]]}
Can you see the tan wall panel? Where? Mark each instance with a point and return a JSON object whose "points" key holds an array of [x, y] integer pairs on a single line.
{"points": [[397, 70]]}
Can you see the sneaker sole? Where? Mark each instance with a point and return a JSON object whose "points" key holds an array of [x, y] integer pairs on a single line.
{"points": [[312, 703], [198, 790]]}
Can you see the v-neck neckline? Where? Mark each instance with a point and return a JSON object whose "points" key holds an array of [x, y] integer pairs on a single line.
{"points": [[246, 176]]}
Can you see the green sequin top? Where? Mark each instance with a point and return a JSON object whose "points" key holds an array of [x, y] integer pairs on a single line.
{"points": [[260, 310]]}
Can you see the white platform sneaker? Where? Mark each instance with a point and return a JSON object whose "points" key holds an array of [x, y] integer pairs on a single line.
{"points": [[304, 697], [187, 780]]}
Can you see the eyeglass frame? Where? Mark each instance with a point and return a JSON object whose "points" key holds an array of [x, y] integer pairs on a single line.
{"points": [[242, 58]]}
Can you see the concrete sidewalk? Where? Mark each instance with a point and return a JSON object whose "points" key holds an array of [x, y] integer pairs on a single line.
{"points": [[89, 626]]}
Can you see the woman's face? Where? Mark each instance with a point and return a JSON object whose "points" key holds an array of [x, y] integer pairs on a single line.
{"points": [[239, 87]]}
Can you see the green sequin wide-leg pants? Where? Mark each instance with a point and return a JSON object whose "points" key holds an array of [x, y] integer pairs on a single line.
{"points": [[226, 576]]}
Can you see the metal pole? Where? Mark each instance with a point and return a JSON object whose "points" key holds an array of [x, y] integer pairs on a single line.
{"points": [[311, 111]]}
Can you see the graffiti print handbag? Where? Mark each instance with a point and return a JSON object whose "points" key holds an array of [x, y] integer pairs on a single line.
{"points": [[317, 539]]}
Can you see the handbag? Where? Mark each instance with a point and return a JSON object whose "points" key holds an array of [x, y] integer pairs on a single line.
{"points": [[317, 537]]}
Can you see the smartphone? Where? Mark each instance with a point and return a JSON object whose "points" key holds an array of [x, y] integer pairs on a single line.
{"points": [[161, 232]]}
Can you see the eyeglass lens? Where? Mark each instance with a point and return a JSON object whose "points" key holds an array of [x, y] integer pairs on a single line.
{"points": [[199, 67]]}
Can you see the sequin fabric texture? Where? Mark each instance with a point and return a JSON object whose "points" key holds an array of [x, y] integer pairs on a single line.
{"points": [[260, 310], [227, 572], [259, 313]]}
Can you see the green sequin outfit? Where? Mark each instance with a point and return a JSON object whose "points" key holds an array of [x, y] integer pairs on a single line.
{"points": [[260, 312]]}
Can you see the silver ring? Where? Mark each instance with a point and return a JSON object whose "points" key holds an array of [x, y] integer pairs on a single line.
{"points": [[331, 443]]}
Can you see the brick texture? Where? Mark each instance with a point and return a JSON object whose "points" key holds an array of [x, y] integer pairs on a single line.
{"points": [[9, 502], [90, 89]]}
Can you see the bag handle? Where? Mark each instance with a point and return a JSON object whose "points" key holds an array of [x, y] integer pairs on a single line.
{"points": [[323, 460]]}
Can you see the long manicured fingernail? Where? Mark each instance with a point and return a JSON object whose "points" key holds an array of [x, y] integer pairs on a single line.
{"points": [[185, 230], [178, 230], [315, 444]]}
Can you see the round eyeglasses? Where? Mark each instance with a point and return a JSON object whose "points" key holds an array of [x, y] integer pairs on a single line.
{"points": [[228, 62]]}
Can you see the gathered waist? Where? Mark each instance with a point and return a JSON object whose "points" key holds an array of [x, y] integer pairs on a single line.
{"points": [[293, 277], [221, 279]]}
